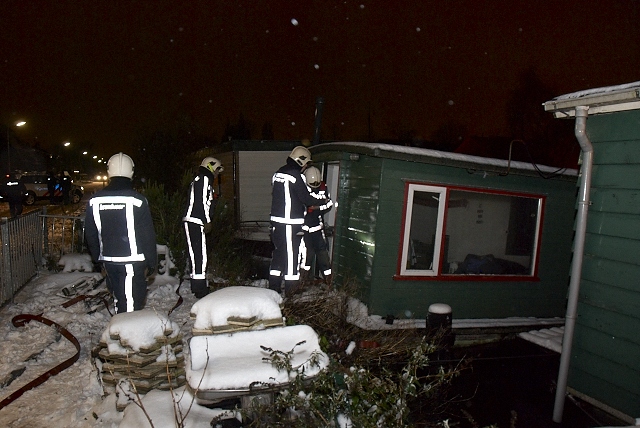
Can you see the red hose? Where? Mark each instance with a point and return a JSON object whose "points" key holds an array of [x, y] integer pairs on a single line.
{"points": [[21, 320]]}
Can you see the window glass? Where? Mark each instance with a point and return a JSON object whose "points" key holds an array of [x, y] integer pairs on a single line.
{"points": [[452, 231]]}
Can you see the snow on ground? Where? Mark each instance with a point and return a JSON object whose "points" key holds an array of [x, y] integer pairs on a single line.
{"points": [[75, 397]]}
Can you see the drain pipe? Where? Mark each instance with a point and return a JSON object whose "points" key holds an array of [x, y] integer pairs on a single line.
{"points": [[576, 265]]}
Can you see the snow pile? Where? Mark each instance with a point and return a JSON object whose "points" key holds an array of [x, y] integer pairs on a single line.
{"points": [[137, 330], [166, 407], [222, 361], [242, 302], [76, 262]]}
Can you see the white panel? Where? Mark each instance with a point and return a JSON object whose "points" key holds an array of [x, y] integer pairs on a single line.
{"points": [[255, 169]]}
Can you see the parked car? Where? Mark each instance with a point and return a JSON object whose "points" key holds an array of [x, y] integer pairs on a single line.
{"points": [[36, 183]]}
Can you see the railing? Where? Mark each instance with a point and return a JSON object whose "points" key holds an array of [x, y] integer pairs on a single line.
{"points": [[64, 234], [34, 240], [20, 254]]}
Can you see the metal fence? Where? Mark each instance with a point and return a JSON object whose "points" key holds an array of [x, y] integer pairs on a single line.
{"points": [[33, 241]]}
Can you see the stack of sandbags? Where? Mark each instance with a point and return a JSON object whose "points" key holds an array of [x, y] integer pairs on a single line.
{"points": [[233, 309], [143, 347]]}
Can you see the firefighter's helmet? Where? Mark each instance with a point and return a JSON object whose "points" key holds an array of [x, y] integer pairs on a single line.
{"points": [[120, 165], [301, 155], [212, 164], [313, 177]]}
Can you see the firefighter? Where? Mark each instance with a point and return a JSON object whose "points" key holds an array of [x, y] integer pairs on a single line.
{"points": [[52, 184], [290, 198], [197, 222], [315, 240], [120, 235], [65, 185], [14, 191]]}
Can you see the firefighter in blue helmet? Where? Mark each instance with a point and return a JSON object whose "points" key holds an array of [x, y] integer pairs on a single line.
{"points": [[315, 240], [197, 222], [289, 201], [120, 235]]}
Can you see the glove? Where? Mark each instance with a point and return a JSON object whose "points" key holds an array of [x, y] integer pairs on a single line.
{"points": [[207, 228]]}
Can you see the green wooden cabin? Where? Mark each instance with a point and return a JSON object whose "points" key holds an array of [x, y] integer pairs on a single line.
{"points": [[605, 357], [413, 227]]}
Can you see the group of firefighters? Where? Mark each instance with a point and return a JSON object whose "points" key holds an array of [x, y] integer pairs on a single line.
{"points": [[120, 234], [14, 190]]}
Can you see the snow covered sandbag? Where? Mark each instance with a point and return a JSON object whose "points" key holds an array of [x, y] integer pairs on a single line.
{"points": [[240, 302], [137, 330], [74, 261], [223, 362]]}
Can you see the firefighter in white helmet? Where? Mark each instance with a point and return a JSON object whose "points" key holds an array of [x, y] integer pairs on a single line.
{"points": [[315, 240], [197, 222], [290, 198], [120, 235]]}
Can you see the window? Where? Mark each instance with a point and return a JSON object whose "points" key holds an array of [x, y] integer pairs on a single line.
{"points": [[456, 233]]}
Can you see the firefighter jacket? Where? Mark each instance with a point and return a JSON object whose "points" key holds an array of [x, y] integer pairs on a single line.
{"points": [[314, 221], [291, 196], [14, 190], [199, 207], [118, 225]]}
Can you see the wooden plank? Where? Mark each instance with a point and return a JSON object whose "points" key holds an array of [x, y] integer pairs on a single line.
{"points": [[612, 323], [612, 248], [604, 391], [611, 272], [616, 176], [604, 372], [246, 322], [621, 201], [611, 298], [619, 126], [621, 225], [605, 345], [617, 152]]}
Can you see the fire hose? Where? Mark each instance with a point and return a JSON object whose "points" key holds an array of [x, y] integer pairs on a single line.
{"points": [[21, 320]]}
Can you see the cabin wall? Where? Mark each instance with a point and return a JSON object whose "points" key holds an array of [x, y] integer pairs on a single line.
{"points": [[606, 350], [369, 225], [473, 299], [354, 240]]}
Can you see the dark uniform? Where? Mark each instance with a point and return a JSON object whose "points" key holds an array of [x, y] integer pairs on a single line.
{"points": [[14, 192], [290, 198], [120, 234], [65, 184], [52, 185], [314, 237], [197, 221]]}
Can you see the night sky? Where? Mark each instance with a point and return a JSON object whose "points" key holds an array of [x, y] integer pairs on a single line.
{"points": [[104, 71]]}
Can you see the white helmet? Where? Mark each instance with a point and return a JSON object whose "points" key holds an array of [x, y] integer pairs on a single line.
{"points": [[312, 174], [301, 155], [212, 164], [120, 165]]}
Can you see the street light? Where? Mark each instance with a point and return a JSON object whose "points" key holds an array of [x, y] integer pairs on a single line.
{"points": [[18, 124]]}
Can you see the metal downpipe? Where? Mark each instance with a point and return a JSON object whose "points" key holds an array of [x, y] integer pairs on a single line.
{"points": [[576, 265]]}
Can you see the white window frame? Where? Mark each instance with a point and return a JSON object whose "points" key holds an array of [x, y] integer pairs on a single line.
{"points": [[434, 270], [442, 191]]}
